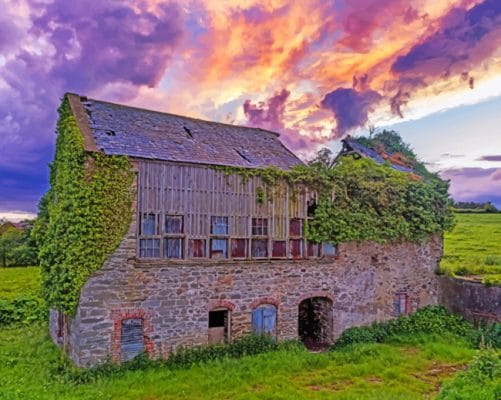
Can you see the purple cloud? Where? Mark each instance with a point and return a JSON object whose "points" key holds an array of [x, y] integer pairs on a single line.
{"points": [[269, 114], [496, 157], [86, 48], [350, 107]]}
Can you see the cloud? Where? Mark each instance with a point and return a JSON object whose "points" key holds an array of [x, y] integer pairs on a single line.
{"points": [[490, 158], [350, 107], [475, 184], [113, 46]]}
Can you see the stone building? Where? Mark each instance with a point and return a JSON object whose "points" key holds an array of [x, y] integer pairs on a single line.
{"points": [[206, 259]]}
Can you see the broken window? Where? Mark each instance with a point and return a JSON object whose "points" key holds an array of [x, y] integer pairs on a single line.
{"points": [[173, 248], [313, 249], [259, 226], [131, 338], [239, 248], [219, 248], [296, 246], [259, 248], [329, 249], [173, 224], [295, 227], [219, 326], [401, 304], [219, 225], [149, 248], [196, 248], [279, 248]]}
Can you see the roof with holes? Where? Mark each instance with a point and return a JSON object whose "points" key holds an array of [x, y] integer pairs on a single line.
{"points": [[118, 129]]}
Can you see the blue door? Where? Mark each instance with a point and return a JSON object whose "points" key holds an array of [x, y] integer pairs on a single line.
{"points": [[264, 320]]}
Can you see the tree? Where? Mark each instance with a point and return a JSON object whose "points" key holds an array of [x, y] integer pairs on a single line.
{"points": [[10, 239]]}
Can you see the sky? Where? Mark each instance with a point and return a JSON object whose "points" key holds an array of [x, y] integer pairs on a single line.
{"points": [[313, 70]]}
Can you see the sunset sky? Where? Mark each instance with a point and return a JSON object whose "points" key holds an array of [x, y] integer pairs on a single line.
{"points": [[313, 70]]}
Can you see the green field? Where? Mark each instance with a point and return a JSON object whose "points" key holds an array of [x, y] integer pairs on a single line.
{"points": [[404, 369], [474, 247], [16, 281]]}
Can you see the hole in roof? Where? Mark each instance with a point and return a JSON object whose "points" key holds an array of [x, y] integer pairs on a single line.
{"points": [[187, 130], [111, 132], [241, 154]]}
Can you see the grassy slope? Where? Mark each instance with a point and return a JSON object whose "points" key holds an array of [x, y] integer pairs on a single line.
{"points": [[15, 281], [474, 247], [399, 370]]}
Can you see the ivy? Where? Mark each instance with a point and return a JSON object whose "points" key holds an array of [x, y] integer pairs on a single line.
{"points": [[359, 200], [84, 215]]}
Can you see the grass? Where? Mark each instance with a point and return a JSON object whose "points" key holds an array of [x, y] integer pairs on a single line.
{"points": [[404, 368], [474, 247], [15, 281]]}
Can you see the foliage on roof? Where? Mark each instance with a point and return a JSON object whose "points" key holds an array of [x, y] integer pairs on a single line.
{"points": [[84, 215]]}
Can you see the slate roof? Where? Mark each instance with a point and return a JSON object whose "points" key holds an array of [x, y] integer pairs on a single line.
{"points": [[135, 132], [351, 144]]}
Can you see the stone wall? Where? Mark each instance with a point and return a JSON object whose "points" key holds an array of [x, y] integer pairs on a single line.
{"points": [[473, 300], [174, 298]]}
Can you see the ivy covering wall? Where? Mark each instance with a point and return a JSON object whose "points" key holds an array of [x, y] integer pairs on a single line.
{"points": [[84, 215]]}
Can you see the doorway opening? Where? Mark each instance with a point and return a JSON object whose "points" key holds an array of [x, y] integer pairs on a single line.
{"points": [[219, 326], [315, 322]]}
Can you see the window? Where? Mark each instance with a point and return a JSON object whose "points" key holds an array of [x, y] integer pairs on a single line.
{"points": [[264, 320], [239, 248], [329, 249], [401, 304], [259, 226], [279, 248], [173, 248], [259, 248], [149, 248], [131, 338], [295, 227], [219, 226], [296, 246], [219, 248], [313, 249], [219, 326], [196, 248], [173, 224], [149, 225], [173, 236]]}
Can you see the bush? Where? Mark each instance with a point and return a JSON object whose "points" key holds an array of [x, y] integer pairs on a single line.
{"points": [[486, 336], [482, 380], [22, 309], [429, 320]]}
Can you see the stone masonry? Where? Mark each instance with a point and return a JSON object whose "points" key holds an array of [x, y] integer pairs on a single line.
{"points": [[174, 298]]}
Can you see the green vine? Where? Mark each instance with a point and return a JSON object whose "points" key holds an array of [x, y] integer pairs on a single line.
{"points": [[360, 200], [84, 215]]}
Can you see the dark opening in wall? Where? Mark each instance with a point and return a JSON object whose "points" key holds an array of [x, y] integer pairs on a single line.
{"points": [[315, 321], [219, 326]]}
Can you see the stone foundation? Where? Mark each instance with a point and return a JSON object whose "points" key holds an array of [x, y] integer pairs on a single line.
{"points": [[174, 299]]}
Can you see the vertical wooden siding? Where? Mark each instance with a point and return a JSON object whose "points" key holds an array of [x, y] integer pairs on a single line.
{"points": [[199, 192]]}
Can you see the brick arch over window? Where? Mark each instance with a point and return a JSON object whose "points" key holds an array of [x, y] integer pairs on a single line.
{"points": [[265, 300], [317, 293], [117, 316], [213, 304]]}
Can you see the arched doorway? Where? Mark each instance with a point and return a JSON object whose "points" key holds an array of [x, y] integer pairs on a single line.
{"points": [[315, 322]]}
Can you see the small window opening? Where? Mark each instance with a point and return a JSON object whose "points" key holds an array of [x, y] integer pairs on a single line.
{"points": [[219, 326], [279, 249], [173, 248], [173, 224], [329, 249], [259, 226], [241, 154], [196, 248], [219, 248], [259, 248], [239, 248], [131, 338], [295, 227], [313, 249], [312, 207], [149, 248], [188, 131], [296, 246], [401, 304], [149, 224], [219, 225]]}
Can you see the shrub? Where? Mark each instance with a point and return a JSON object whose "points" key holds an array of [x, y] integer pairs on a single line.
{"points": [[482, 380], [434, 319], [22, 309]]}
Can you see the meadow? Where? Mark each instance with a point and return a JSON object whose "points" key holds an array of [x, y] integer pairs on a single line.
{"points": [[473, 247]]}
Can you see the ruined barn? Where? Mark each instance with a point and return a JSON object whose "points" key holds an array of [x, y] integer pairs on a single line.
{"points": [[206, 259]]}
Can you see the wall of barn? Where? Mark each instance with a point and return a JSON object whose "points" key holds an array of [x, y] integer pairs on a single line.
{"points": [[174, 299]]}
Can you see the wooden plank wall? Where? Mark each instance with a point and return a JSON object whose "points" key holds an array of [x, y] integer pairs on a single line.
{"points": [[199, 192]]}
